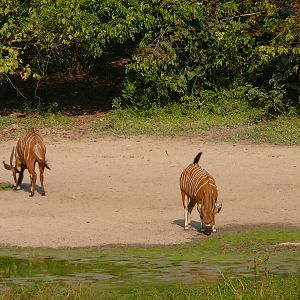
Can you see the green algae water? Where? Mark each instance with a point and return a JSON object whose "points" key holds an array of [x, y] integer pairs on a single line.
{"points": [[243, 254]]}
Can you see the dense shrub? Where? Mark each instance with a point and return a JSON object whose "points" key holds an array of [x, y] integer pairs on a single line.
{"points": [[200, 54]]}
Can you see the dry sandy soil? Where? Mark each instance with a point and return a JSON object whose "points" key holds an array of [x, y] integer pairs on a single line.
{"points": [[126, 191]]}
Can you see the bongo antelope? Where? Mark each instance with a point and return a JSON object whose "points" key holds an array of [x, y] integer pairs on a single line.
{"points": [[199, 188], [30, 149]]}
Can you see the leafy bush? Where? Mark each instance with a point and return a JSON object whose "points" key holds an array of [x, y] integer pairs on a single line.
{"points": [[197, 54], [202, 52]]}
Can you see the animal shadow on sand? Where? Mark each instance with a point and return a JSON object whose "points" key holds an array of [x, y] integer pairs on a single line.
{"points": [[195, 225], [27, 186]]}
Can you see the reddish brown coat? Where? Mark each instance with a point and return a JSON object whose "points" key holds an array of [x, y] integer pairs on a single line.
{"points": [[30, 149], [199, 188]]}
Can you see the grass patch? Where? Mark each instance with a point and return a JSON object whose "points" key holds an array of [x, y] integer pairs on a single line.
{"points": [[49, 120], [243, 124], [169, 121], [264, 287], [175, 121], [283, 130], [4, 186], [57, 120], [5, 121], [247, 241]]}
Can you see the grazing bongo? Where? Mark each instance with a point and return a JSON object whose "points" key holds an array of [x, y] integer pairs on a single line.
{"points": [[199, 187], [30, 149]]}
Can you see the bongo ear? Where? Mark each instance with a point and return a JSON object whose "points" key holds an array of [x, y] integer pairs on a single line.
{"points": [[7, 167], [218, 208]]}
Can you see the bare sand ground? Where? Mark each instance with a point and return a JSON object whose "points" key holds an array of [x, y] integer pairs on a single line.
{"points": [[126, 191]]}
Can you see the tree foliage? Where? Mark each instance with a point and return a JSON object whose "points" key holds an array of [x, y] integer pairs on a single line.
{"points": [[198, 53]]}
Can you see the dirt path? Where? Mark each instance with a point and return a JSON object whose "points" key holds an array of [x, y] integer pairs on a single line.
{"points": [[126, 191]]}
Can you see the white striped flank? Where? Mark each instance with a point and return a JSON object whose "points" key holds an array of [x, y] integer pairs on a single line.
{"points": [[31, 144], [193, 179]]}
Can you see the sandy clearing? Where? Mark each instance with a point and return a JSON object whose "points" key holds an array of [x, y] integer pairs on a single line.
{"points": [[126, 191]]}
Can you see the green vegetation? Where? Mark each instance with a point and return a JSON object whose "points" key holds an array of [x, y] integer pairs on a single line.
{"points": [[5, 186], [165, 67], [49, 120], [171, 120], [233, 264], [283, 130], [55, 120], [247, 241], [195, 54], [265, 287], [236, 126]]}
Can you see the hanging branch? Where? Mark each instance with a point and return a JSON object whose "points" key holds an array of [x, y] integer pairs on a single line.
{"points": [[17, 90], [243, 15]]}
